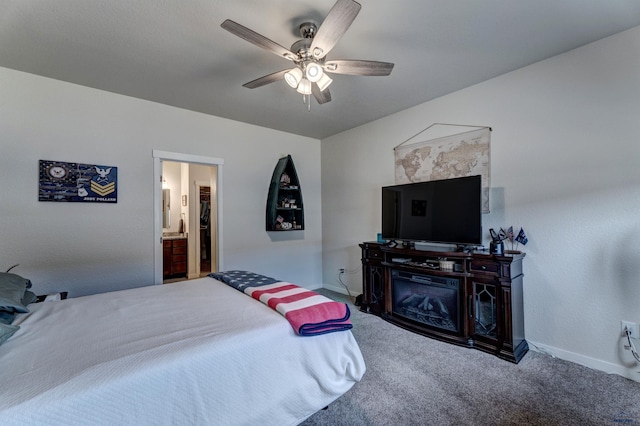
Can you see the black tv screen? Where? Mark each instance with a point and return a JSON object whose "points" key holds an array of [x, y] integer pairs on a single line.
{"points": [[441, 211]]}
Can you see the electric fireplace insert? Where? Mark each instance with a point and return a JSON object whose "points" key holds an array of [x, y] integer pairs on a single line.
{"points": [[430, 300]]}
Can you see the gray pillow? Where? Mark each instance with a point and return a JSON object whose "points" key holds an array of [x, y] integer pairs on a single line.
{"points": [[8, 278], [6, 331], [11, 299], [6, 317], [12, 291], [29, 297]]}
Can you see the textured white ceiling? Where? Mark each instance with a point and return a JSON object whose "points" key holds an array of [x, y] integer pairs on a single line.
{"points": [[174, 51]]}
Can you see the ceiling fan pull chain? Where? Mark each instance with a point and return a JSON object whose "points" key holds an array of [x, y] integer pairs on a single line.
{"points": [[306, 99]]}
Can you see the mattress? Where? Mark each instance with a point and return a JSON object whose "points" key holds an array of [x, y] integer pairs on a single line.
{"points": [[197, 352]]}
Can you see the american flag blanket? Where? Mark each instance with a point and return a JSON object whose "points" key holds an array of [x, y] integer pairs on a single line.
{"points": [[308, 312]]}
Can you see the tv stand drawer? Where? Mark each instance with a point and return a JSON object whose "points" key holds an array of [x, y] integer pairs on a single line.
{"points": [[373, 252], [485, 267]]}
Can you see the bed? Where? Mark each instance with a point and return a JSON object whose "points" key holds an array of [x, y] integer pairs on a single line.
{"points": [[197, 352]]}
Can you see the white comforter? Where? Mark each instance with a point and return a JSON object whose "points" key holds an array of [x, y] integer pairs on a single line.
{"points": [[196, 353]]}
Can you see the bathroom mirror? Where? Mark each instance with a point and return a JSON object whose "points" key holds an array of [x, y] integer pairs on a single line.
{"points": [[166, 208]]}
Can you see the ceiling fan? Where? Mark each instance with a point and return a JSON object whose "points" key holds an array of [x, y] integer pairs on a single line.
{"points": [[309, 75]]}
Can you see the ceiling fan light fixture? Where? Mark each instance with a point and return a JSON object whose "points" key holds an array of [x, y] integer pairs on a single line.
{"points": [[313, 72], [310, 72], [304, 87], [324, 82], [293, 77]]}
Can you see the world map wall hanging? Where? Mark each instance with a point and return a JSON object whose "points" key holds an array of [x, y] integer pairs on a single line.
{"points": [[76, 182], [462, 154]]}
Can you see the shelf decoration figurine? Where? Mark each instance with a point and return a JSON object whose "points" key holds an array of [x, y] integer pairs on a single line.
{"points": [[285, 180]]}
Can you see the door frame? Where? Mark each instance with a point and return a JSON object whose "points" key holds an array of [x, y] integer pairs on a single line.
{"points": [[158, 157]]}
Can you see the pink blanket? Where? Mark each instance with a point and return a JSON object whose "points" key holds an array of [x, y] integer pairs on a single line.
{"points": [[308, 312]]}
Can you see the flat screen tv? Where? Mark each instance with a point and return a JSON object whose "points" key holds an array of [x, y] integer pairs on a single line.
{"points": [[439, 211]]}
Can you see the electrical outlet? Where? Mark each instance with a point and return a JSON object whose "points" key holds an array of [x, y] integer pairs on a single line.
{"points": [[631, 326], [342, 270]]}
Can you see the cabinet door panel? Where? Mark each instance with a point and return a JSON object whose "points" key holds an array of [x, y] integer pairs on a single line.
{"points": [[179, 250], [485, 309]]}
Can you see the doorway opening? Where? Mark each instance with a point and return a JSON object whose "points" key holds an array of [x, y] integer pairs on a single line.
{"points": [[205, 262], [188, 219]]}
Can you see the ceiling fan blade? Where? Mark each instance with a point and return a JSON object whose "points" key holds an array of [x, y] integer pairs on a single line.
{"points": [[257, 39], [334, 26], [321, 97], [264, 80], [356, 67]]}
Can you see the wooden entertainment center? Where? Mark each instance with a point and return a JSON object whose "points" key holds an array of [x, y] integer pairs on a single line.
{"points": [[469, 299]]}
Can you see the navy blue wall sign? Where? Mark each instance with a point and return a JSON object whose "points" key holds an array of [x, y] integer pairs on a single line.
{"points": [[75, 182]]}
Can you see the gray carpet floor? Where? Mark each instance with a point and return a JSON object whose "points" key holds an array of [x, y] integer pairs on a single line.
{"points": [[416, 380]]}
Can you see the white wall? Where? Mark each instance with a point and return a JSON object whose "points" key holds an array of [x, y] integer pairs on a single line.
{"points": [[86, 248], [564, 165]]}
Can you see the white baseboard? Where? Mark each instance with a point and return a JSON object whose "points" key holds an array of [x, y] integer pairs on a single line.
{"points": [[631, 373], [338, 289]]}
